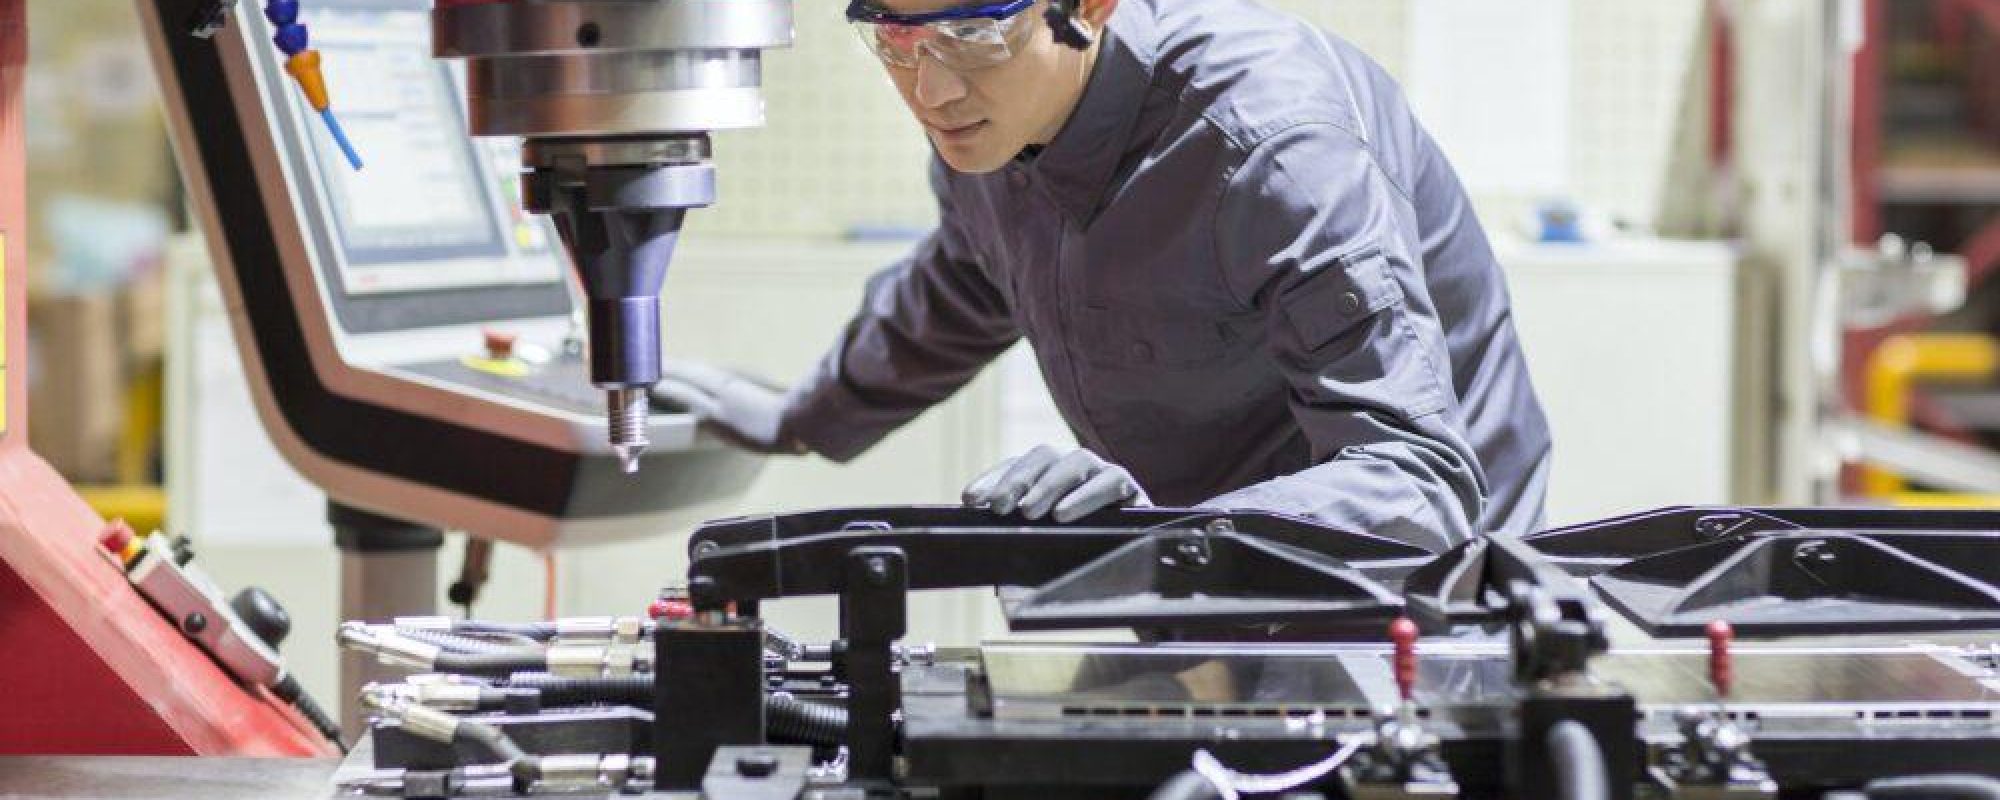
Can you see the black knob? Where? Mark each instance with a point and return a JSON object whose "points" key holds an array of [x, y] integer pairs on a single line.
{"points": [[262, 612]]}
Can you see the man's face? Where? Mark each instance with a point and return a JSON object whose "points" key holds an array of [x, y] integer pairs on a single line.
{"points": [[980, 119]]}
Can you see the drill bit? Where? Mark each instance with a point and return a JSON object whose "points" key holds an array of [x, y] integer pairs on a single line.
{"points": [[626, 418]]}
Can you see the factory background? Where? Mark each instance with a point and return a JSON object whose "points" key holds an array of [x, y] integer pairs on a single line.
{"points": [[1674, 346]]}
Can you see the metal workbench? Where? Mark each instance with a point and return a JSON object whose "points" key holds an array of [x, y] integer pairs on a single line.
{"points": [[165, 777]]}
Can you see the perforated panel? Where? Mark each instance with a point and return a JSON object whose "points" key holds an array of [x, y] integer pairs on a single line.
{"points": [[840, 151], [1633, 62], [838, 148]]}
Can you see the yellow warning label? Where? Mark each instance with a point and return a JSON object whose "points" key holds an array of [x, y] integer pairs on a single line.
{"points": [[503, 367]]}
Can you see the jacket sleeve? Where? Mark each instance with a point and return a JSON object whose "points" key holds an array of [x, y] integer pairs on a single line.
{"points": [[1314, 234], [926, 326]]}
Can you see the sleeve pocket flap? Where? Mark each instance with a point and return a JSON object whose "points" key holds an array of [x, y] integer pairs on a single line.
{"points": [[1326, 303]]}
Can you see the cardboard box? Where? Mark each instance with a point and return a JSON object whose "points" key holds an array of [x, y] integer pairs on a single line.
{"points": [[142, 319], [75, 388]]}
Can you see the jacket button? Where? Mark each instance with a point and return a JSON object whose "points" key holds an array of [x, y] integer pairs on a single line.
{"points": [[1141, 352], [1350, 303], [1017, 178]]}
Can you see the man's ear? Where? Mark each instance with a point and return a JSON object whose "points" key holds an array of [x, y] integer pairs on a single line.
{"points": [[1096, 12]]}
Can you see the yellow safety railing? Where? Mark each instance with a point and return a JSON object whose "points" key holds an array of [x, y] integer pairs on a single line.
{"points": [[1899, 364], [135, 498]]}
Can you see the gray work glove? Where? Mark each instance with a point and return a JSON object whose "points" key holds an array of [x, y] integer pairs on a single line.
{"points": [[744, 410], [1072, 484]]}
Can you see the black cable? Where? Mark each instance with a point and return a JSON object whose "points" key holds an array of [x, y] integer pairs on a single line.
{"points": [[473, 571], [511, 701], [538, 631], [526, 769], [1935, 787], [464, 644], [1577, 762], [290, 691], [1189, 785], [557, 690], [787, 719], [502, 663], [790, 720]]}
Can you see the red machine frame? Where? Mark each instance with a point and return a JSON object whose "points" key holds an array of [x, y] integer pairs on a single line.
{"points": [[90, 667]]}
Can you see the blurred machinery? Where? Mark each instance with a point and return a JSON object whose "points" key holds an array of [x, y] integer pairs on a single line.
{"points": [[412, 301], [412, 339], [1915, 328]]}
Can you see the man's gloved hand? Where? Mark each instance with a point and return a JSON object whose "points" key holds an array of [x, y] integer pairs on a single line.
{"points": [[746, 411], [1072, 484]]}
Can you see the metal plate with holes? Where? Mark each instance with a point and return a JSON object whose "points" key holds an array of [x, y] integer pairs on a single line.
{"points": [[1050, 681]]}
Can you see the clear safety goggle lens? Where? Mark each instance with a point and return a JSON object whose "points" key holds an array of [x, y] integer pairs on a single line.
{"points": [[966, 44]]}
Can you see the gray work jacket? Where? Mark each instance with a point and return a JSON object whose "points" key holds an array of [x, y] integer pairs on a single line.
{"points": [[1248, 275]]}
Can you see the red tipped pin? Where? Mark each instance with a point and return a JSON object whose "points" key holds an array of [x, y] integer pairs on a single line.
{"points": [[1721, 671], [670, 609], [115, 537], [1403, 633]]}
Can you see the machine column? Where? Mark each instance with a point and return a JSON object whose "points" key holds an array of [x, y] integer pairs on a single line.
{"points": [[388, 568]]}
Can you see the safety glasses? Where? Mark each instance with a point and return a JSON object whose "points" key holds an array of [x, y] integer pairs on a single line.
{"points": [[962, 39]]}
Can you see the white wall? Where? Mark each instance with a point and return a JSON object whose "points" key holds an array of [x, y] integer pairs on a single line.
{"points": [[1633, 347]]}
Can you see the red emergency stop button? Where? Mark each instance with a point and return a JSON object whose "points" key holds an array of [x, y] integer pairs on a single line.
{"points": [[499, 344]]}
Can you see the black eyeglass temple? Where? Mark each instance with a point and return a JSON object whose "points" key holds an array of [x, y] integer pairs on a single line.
{"points": [[1061, 16]]}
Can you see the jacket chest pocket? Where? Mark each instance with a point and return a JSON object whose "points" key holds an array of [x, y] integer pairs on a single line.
{"points": [[1132, 338]]}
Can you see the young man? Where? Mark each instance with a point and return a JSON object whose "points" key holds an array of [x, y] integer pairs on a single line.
{"points": [[1249, 276]]}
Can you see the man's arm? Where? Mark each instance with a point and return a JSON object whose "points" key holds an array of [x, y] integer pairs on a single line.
{"points": [[927, 325], [1315, 234]]}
